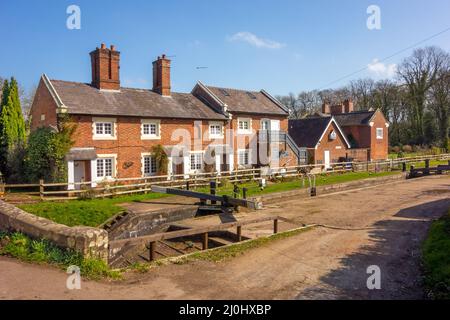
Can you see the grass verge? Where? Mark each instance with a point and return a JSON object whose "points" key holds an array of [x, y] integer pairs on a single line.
{"points": [[436, 259], [234, 250], [22, 247], [295, 183], [91, 213]]}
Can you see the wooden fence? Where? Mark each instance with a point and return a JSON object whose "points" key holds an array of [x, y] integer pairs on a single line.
{"points": [[123, 186]]}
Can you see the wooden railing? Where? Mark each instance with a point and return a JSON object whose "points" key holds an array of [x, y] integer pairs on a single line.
{"points": [[122, 186]]}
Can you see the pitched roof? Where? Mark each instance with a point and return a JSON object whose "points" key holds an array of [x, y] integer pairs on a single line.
{"points": [[357, 118], [308, 132], [244, 101], [82, 98]]}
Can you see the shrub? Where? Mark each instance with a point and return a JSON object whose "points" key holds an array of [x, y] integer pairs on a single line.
{"points": [[436, 151], [162, 161], [46, 151], [20, 246], [395, 149], [407, 148]]}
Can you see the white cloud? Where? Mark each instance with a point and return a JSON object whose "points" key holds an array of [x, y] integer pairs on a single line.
{"points": [[382, 70], [255, 41]]}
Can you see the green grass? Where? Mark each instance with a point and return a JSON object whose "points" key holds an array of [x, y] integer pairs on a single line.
{"points": [[91, 213], [95, 212], [22, 247], [421, 164], [294, 183], [436, 259]]}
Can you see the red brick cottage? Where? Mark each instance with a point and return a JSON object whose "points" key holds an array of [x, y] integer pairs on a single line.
{"points": [[364, 129], [210, 128], [340, 134], [322, 138]]}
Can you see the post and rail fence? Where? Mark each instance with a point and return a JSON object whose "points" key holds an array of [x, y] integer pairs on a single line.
{"points": [[123, 186]]}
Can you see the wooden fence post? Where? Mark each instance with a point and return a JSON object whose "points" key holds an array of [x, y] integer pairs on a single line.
{"points": [[205, 241], [152, 250], [41, 189], [275, 226], [239, 233], [244, 193], [212, 190]]}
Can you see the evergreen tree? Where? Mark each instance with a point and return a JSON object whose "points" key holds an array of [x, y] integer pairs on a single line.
{"points": [[12, 124]]}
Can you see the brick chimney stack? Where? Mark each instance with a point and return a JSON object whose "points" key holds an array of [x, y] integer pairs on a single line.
{"points": [[161, 76], [105, 68], [337, 109], [326, 108], [348, 106]]}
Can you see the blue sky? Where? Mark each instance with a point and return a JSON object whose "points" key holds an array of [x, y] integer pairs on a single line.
{"points": [[282, 46]]}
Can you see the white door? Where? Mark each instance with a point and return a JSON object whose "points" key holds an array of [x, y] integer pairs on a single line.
{"points": [[326, 158], [79, 173]]}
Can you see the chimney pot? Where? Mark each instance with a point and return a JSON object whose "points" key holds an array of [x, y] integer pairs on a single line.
{"points": [[103, 46], [113, 47]]}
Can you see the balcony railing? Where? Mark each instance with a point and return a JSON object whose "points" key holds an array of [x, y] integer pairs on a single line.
{"points": [[272, 136]]}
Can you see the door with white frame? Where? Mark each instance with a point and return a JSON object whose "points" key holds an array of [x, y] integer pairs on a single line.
{"points": [[326, 159], [79, 173]]}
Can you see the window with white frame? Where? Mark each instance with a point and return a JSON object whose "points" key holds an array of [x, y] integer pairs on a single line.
{"points": [[196, 161], [244, 158], [265, 124], [104, 128], [244, 125], [379, 133], [215, 130], [150, 129], [149, 165], [105, 168]]}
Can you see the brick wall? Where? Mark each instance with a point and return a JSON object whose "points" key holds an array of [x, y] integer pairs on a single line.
{"points": [[379, 147], [128, 146], [337, 147], [43, 106]]}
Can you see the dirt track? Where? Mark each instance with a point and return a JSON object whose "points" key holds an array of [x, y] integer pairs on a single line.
{"points": [[321, 263]]}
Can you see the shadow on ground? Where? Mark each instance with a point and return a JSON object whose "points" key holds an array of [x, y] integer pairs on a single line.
{"points": [[394, 246]]}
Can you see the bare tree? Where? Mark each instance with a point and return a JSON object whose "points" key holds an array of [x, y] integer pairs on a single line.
{"points": [[334, 96], [440, 105], [419, 72], [290, 102], [27, 98], [362, 93], [308, 102]]}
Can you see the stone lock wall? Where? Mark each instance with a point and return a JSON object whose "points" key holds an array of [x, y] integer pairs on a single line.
{"points": [[91, 242]]}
